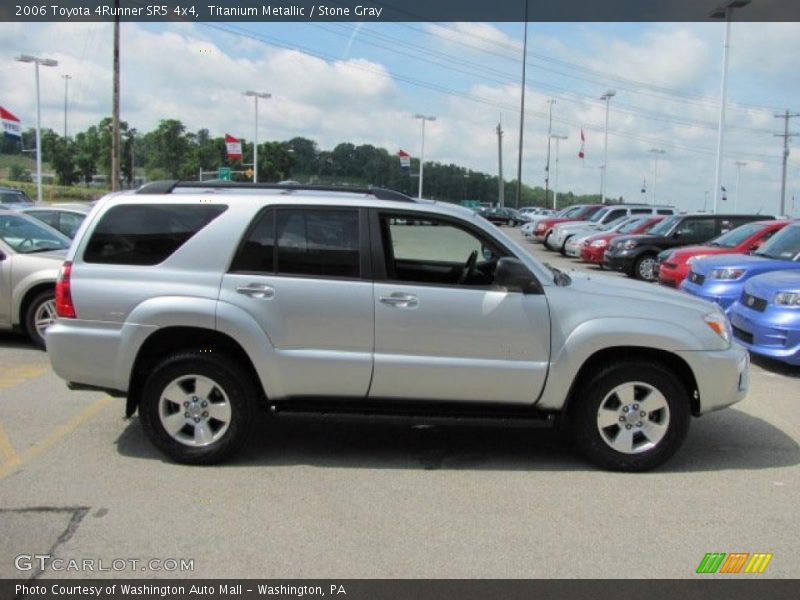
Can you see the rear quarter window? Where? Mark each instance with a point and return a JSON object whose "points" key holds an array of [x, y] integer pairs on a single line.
{"points": [[146, 234]]}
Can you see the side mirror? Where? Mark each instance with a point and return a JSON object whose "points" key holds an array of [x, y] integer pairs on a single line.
{"points": [[676, 235], [510, 273]]}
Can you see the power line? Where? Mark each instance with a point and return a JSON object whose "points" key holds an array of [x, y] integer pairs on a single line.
{"points": [[786, 116]]}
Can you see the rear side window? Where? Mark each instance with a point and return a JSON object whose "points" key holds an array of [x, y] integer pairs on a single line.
{"points": [[317, 242], [146, 234]]}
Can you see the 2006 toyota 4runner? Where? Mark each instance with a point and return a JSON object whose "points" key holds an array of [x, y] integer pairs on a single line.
{"points": [[201, 303]]}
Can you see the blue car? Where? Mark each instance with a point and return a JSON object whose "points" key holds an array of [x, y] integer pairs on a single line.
{"points": [[766, 319], [721, 278]]}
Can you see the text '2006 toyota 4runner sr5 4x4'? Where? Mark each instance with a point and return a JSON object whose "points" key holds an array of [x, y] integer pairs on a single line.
{"points": [[201, 303]]}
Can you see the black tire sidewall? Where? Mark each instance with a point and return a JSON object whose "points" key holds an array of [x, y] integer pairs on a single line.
{"points": [[30, 312], [583, 416], [238, 387]]}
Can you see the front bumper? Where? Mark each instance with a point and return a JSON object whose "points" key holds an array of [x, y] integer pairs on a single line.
{"points": [[723, 376], [722, 293], [774, 333], [619, 260], [593, 255], [672, 276]]}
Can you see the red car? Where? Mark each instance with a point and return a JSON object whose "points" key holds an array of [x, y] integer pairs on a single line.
{"points": [[742, 240], [579, 212], [595, 246]]}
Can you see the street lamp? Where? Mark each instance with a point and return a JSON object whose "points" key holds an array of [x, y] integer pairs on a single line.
{"points": [[558, 139], [657, 152], [256, 95], [724, 11], [45, 62], [607, 99], [422, 118], [739, 164], [66, 79]]}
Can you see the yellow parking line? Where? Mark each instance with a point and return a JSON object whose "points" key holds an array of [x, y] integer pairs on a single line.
{"points": [[55, 436], [7, 452], [11, 376]]}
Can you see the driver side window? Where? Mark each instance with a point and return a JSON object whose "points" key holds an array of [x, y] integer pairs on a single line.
{"points": [[433, 251]]}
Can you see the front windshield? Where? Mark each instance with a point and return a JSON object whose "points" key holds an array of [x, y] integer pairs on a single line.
{"points": [[571, 211], [27, 236], [13, 198], [599, 215], [736, 236], [784, 245], [613, 225], [665, 225], [632, 224]]}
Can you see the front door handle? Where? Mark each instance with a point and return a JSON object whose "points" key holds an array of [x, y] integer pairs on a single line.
{"points": [[400, 300], [257, 290]]}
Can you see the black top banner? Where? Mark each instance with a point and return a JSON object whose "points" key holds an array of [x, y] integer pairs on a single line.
{"points": [[402, 10]]}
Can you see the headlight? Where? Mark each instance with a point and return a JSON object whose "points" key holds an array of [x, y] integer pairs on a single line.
{"points": [[787, 299], [627, 245], [720, 324], [694, 259], [726, 274], [599, 244]]}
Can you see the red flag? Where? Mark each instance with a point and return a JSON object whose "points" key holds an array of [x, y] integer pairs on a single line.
{"points": [[582, 153], [233, 147]]}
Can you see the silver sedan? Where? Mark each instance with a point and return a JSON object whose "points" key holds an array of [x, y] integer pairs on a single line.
{"points": [[31, 254]]}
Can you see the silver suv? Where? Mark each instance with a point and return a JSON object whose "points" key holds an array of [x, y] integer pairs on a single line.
{"points": [[203, 303]]}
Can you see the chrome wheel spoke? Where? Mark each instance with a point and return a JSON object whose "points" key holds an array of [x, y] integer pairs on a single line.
{"points": [[625, 393], [174, 423], [220, 411], [203, 387], [607, 418], [633, 417], [202, 433], [623, 440], [175, 394], [653, 401]]}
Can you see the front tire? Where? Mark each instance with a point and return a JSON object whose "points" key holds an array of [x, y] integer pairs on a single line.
{"points": [[630, 416], [198, 408], [644, 268], [41, 313]]}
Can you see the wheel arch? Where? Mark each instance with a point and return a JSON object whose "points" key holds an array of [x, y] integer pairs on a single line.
{"points": [[618, 354], [168, 340], [28, 297]]}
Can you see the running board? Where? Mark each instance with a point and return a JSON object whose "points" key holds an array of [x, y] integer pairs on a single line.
{"points": [[414, 412]]}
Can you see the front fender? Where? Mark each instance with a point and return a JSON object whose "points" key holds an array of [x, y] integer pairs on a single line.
{"points": [[595, 335]]}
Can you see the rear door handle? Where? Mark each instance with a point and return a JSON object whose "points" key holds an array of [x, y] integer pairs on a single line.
{"points": [[256, 290], [400, 300]]}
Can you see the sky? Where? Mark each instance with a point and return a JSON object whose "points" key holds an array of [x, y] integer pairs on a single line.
{"points": [[362, 83]]}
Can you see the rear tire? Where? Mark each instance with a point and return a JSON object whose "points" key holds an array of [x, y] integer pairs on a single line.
{"points": [[41, 313], [547, 240], [564, 246], [630, 416], [198, 408]]}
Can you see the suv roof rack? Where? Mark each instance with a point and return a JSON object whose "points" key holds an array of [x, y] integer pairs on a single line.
{"points": [[168, 186]]}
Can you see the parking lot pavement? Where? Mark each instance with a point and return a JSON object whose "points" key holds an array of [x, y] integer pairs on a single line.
{"points": [[320, 499]]}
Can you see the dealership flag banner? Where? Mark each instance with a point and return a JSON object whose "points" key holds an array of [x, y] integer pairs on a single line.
{"points": [[11, 124], [233, 146], [405, 160]]}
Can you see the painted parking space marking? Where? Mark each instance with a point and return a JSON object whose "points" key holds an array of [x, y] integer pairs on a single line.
{"points": [[11, 376], [55, 436]]}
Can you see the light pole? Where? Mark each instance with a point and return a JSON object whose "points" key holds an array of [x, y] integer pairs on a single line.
{"points": [[550, 101], [724, 11], [66, 79], [422, 118], [45, 62], [657, 152], [739, 164], [607, 99], [558, 139], [256, 96]]}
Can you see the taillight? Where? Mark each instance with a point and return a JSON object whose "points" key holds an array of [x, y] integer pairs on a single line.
{"points": [[64, 307]]}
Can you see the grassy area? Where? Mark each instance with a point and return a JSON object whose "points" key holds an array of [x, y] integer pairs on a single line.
{"points": [[57, 193]]}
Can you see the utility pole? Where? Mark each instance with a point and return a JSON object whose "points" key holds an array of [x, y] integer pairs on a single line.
{"points": [[115, 108], [557, 138], [785, 135], [422, 118], [522, 109], [256, 96], [739, 164], [66, 79], [550, 101], [500, 182]]}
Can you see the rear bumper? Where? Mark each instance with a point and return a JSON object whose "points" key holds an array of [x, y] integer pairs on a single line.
{"points": [[94, 354], [593, 255], [672, 276]]}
